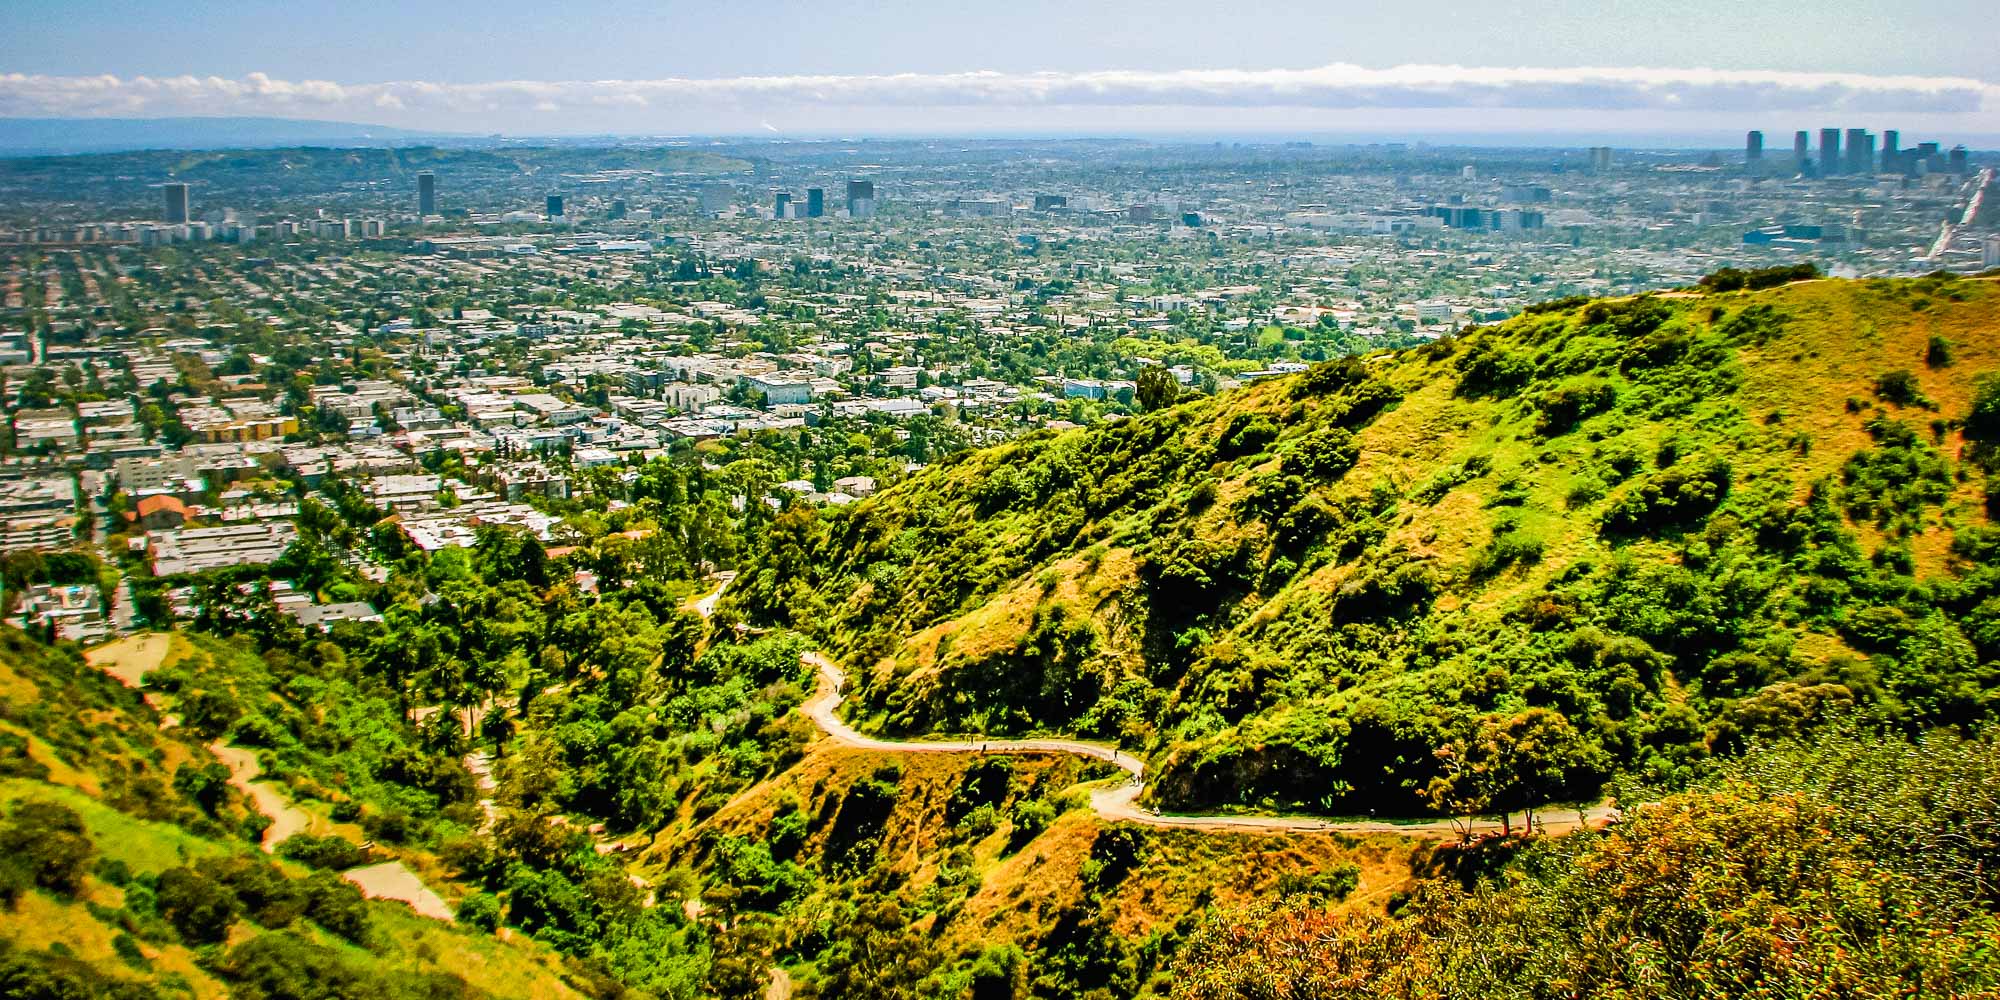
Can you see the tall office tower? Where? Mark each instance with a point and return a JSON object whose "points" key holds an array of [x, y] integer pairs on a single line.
{"points": [[1801, 150], [714, 199], [1600, 157], [1753, 151], [1829, 152], [860, 199], [1960, 160], [427, 194], [1925, 159], [815, 202], [781, 204], [618, 209], [555, 207], [1892, 151], [1859, 147], [177, 202]]}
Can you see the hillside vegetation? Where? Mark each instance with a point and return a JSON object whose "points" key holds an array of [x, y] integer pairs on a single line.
{"points": [[866, 873], [1850, 866], [128, 869], [1602, 539]]}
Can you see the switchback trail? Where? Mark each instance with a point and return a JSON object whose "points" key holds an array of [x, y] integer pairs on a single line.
{"points": [[1120, 803], [130, 659]]}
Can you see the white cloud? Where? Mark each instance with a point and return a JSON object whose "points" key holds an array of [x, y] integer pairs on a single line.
{"points": [[1335, 87]]}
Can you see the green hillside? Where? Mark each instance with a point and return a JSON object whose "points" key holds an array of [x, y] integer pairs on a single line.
{"points": [[1601, 539], [128, 869]]}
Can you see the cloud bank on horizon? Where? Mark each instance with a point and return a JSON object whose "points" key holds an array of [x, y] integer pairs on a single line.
{"points": [[669, 102]]}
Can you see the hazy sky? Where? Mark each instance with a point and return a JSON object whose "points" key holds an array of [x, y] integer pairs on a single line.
{"points": [[1054, 66]]}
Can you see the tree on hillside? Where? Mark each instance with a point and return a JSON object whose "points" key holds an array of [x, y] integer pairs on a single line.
{"points": [[1157, 388], [1517, 762]]}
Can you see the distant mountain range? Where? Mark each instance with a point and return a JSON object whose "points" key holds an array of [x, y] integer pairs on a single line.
{"points": [[57, 136]]}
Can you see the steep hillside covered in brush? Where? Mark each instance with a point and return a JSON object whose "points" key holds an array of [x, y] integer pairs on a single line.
{"points": [[1602, 538], [128, 869]]}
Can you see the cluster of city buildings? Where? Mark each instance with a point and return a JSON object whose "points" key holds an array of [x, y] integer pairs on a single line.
{"points": [[1856, 156], [642, 312]]}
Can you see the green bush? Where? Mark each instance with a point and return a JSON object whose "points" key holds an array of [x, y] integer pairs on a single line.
{"points": [[1672, 498], [1489, 370], [206, 784], [1937, 354], [264, 893], [200, 909], [1730, 279], [337, 905], [1559, 410], [1982, 422], [43, 845], [480, 910], [1323, 454], [1246, 434], [1901, 388], [333, 852]]}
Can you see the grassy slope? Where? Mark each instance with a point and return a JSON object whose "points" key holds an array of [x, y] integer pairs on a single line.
{"points": [[1147, 582], [92, 746]]}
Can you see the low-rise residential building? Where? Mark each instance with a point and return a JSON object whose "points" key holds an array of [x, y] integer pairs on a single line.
{"points": [[76, 611], [193, 550]]}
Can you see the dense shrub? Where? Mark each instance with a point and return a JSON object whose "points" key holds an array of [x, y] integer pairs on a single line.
{"points": [[1730, 279], [1674, 497], [1937, 353], [42, 845], [1490, 370], [1246, 434], [334, 852], [199, 908], [1560, 409], [1982, 421], [1329, 377], [1901, 388]]}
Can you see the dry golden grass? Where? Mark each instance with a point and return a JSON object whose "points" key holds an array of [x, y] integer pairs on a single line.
{"points": [[39, 921], [1021, 894]]}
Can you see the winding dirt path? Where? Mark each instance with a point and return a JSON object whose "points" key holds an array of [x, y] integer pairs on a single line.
{"points": [[286, 818], [780, 986], [390, 880], [130, 659], [1120, 803], [705, 605]]}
